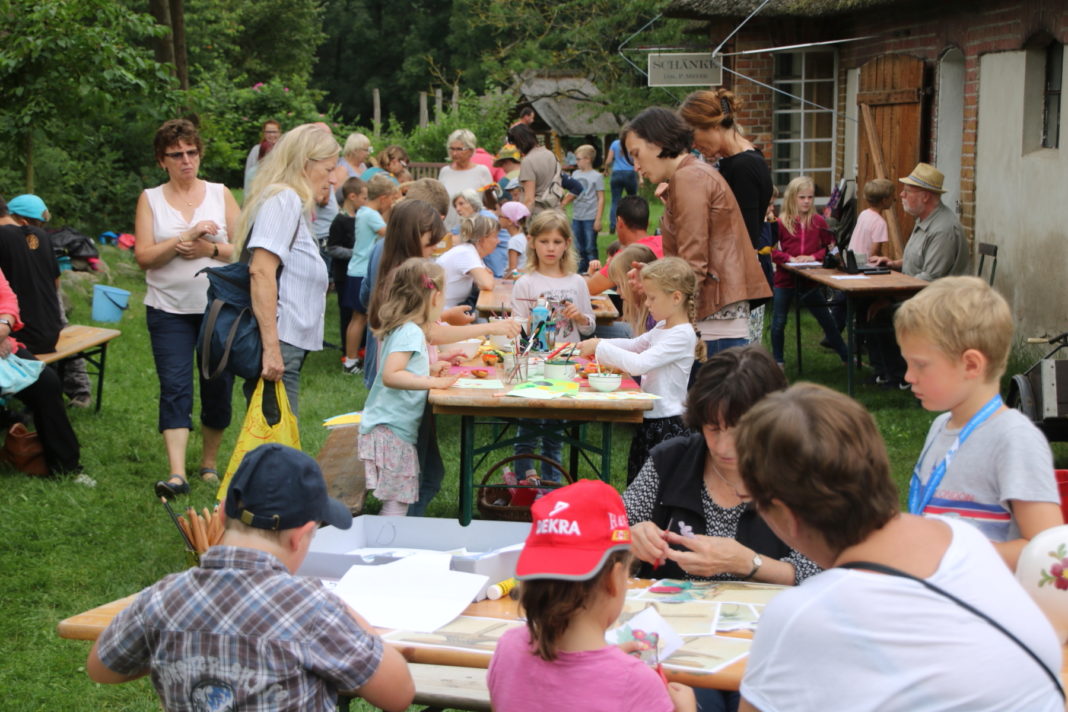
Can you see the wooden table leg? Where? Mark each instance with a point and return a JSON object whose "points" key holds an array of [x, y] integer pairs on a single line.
{"points": [[467, 447], [851, 344], [797, 321], [606, 452]]}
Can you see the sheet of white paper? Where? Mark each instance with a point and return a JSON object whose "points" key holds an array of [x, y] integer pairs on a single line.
{"points": [[369, 553], [804, 264], [479, 383], [849, 276], [417, 593], [648, 621]]}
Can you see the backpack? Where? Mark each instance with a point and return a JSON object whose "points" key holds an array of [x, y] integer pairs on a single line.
{"points": [[229, 338]]}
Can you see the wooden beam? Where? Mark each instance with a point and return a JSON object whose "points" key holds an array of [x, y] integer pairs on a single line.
{"points": [[880, 172], [890, 96], [424, 117]]}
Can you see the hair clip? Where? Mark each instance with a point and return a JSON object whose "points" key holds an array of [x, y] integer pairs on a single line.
{"points": [[725, 105], [429, 283]]}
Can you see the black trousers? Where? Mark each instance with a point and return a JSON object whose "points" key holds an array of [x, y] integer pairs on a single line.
{"points": [[45, 400]]}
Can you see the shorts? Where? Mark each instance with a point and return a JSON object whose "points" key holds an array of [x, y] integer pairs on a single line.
{"points": [[350, 295], [391, 465]]}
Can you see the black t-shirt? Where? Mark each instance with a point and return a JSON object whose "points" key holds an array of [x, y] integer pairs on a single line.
{"points": [[342, 234], [28, 262], [749, 177]]}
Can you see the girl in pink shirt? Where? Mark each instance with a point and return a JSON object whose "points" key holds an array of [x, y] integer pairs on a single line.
{"points": [[803, 237], [573, 581]]}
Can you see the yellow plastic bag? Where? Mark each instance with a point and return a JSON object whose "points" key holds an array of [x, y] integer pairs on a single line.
{"points": [[256, 431]]}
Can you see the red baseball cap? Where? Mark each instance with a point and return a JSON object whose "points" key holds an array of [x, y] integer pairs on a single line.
{"points": [[574, 530]]}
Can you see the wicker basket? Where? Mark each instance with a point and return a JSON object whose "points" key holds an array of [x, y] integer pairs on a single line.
{"points": [[506, 512]]}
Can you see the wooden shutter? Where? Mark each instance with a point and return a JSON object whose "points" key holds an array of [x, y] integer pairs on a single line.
{"points": [[890, 98]]}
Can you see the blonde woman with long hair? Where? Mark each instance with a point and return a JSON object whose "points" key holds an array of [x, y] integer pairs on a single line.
{"points": [[276, 229]]}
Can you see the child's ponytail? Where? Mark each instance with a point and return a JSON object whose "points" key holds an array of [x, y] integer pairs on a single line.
{"points": [[674, 274], [408, 291]]}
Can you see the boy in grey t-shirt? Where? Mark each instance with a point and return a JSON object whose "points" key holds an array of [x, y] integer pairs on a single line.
{"points": [[982, 462], [588, 206]]}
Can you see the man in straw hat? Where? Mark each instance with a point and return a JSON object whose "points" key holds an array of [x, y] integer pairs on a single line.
{"points": [[936, 248]]}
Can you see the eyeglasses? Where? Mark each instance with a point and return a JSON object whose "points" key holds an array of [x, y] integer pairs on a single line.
{"points": [[177, 155], [458, 149]]}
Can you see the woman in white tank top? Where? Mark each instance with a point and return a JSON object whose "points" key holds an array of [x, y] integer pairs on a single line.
{"points": [[182, 226]]}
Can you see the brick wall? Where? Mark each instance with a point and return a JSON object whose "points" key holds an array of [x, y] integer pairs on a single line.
{"points": [[976, 28]]}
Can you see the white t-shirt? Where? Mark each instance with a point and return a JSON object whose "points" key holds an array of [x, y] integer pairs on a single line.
{"points": [[456, 181], [1005, 458], [859, 640], [663, 357], [458, 263], [869, 230], [518, 243], [174, 288]]}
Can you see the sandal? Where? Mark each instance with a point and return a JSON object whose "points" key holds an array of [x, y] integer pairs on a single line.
{"points": [[172, 487], [210, 475]]}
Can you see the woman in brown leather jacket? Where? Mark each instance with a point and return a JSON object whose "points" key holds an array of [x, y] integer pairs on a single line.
{"points": [[701, 223]]}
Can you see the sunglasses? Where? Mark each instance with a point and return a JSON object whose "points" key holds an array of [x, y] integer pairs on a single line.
{"points": [[177, 155]]}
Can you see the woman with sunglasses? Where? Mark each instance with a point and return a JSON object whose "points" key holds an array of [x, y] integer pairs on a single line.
{"points": [[183, 226]]}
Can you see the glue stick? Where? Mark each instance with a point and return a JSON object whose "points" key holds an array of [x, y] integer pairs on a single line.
{"points": [[500, 590]]}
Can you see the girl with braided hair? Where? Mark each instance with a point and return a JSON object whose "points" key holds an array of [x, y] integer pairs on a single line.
{"points": [[662, 356]]}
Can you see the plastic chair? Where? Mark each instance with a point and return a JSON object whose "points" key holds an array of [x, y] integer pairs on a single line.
{"points": [[1062, 489], [987, 249]]}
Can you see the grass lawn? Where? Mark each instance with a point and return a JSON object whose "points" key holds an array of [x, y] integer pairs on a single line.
{"points": [[71, 548]]}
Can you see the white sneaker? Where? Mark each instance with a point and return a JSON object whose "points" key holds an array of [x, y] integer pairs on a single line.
{"points": [[84, 479]]}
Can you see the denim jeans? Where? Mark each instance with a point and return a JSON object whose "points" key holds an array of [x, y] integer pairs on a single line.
{"points": [[174, 340], [44, 398], [711, 349], [585, 243], [620, 181], [431, 468], [551, 447], [814, 300]]}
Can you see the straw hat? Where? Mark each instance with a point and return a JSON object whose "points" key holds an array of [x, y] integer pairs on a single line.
{"points": [[926, 177]]}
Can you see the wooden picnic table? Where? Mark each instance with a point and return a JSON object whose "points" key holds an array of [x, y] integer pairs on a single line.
{"points": [[443, 671], [87, 342], [498, 301], [491, 407], [857, 289]]}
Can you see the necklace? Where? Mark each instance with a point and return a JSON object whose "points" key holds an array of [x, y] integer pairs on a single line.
{"points": [[730, 485], [184, 198]]}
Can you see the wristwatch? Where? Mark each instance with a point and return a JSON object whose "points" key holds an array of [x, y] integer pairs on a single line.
{"points": [[758, 561]]}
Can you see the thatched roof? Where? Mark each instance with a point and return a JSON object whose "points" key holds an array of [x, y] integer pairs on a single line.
{"points": [[570, 105], [712, 9]]}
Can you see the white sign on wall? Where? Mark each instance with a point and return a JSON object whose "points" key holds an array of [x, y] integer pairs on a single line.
{"points": [[684, 70]]}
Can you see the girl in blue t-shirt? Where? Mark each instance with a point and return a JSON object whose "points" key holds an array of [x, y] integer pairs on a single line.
{"points": [[390, 424]]}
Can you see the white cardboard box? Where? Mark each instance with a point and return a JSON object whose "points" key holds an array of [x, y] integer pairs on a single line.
{"points": [[328, 556]]}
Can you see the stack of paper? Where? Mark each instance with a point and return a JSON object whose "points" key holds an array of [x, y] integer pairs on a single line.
{"points": [[418, 593]]}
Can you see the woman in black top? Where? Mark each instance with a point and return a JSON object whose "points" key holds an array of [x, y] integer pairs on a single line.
{"points": [[688, 509], [716, 134]]}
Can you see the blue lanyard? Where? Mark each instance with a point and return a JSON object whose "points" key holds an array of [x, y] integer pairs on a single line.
{"points": [[919, 494]]}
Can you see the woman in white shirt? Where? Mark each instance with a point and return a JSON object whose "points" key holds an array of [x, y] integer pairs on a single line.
{"points": [[463, 264], [183, 226]]}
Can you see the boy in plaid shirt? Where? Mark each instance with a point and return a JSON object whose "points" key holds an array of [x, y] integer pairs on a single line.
{"points": [[241, 631]]}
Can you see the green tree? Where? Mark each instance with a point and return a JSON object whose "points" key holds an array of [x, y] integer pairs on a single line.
{"points": [[250, 41], [63, 63], [577, 36]]}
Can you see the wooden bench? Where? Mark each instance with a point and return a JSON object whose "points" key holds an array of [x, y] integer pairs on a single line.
{"points": [[87, 342], [442, 687]]}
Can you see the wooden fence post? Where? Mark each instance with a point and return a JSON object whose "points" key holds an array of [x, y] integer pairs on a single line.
{"points": [[424, 119], [377, 115]]}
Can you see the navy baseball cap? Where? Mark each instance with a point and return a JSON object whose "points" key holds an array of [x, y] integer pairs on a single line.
{"points": [[277, 487]]}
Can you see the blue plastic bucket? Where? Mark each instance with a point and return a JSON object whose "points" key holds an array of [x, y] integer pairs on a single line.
{"points": [[109, 302]]}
